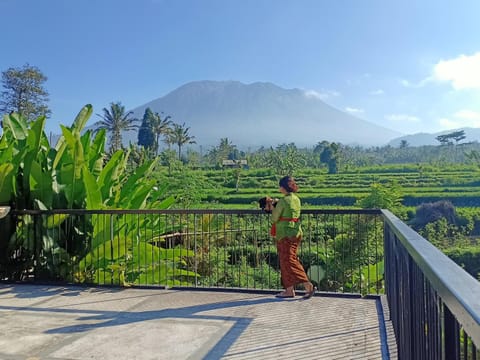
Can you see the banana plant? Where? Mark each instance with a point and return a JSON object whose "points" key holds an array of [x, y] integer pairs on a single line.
{"points": [[74, 175]]}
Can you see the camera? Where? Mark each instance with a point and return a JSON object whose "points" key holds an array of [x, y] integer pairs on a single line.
{"points": [[267, 203]]}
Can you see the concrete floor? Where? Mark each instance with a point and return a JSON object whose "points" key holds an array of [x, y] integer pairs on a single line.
{"points": [[54, 322]]}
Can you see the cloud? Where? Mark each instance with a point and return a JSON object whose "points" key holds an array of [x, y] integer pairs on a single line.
{"points": [[377, 92], [402, 118], [447, 124], [467, 115], [354, 110], [420, 84], [323, 95], [462, 118], [462, 72]]}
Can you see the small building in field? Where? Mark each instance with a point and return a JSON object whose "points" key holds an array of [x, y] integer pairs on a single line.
{"points": [[234, 163]]}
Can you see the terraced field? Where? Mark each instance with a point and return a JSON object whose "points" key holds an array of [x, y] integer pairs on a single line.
{"points": [[460, 185]]}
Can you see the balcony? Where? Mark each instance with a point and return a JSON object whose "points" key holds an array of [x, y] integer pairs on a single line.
{"points": [[204, 279]]}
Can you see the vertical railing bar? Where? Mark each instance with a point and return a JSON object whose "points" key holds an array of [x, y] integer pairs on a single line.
{"points": [[149, 219], [334, 244], [158, 220], [227, 252], [238, 251], [361, 252], [209, 239], [195, 254], [375, 245], [451, 335], [325, 243], [245, 246], [170, 229], [112, 242]]}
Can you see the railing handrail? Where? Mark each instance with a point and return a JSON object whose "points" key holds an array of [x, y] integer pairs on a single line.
{"points": [[190, 211], [458, 289]]}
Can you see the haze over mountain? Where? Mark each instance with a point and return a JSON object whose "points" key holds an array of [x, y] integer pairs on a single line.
{"points": [[471, 134], [261, 114]]}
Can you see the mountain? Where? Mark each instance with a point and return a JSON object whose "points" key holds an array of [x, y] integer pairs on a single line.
{"points": [[260, 114], [420, 139]]}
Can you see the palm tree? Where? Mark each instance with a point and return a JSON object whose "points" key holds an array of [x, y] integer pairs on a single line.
{"points": [[115, 120], [226, 149], [179, 136], [160, 127]]}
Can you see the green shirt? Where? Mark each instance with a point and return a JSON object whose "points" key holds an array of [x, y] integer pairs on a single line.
{"points": [[287, 207]]}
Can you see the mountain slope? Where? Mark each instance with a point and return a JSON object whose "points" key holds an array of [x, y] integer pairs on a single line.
{"points": [[261, 114]]}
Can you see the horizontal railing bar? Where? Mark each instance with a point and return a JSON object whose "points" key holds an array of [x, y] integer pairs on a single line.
{"points": [[190, 211], [457, 289]]}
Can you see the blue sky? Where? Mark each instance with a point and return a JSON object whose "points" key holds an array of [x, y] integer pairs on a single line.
{"points": [[412, 66]]}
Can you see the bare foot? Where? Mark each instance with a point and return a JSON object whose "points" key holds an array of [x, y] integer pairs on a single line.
{"points": [[285, 294], [309, 290]]}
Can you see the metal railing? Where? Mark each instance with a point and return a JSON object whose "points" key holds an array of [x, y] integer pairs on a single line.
{"points": [[434, 304], [342, 250]]}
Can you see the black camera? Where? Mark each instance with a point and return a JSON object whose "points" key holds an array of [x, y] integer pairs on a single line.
{"points": [[267, 203]]}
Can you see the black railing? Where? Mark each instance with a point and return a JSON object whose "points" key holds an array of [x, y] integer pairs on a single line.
{"points": [[341, 250], [434, 304]]}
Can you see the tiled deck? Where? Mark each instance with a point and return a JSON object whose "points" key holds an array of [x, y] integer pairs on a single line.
{"points": [[52, 323]]}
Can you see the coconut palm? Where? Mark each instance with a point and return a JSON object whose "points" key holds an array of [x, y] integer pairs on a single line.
{"points": [[160, 127], [180, 136], [115, 120]]}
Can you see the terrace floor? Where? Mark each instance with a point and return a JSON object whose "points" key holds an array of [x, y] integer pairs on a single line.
{"points": [[54, 322]]}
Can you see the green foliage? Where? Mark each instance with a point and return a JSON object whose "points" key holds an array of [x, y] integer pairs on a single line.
{"points": [[159, 127], [115, 120], [187, 187], [242, 268], [224, 151], [329, 156], [72, 175], [443, 234], [180, 135], [169, 159], [382, 197], [285, 159], [146, 138], [24, 92], [467, 257], [446, 139]]}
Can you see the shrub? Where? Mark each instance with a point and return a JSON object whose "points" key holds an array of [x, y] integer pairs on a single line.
{"points": [[432, 212], [467, 257]]}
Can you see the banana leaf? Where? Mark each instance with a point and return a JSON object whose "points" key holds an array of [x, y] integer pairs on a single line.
{"points": [[77, 126], [95, 150], [40, 184], [93, 194], [133, 181], [104, 254], [110, 175], [15, 126], [7, 176]]}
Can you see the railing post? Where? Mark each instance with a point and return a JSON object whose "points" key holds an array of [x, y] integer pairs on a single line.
{"points": [[36, 250], [452, 335]]}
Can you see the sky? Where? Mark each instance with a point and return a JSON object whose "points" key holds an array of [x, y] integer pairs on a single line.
{"points": [[408, 65]]}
